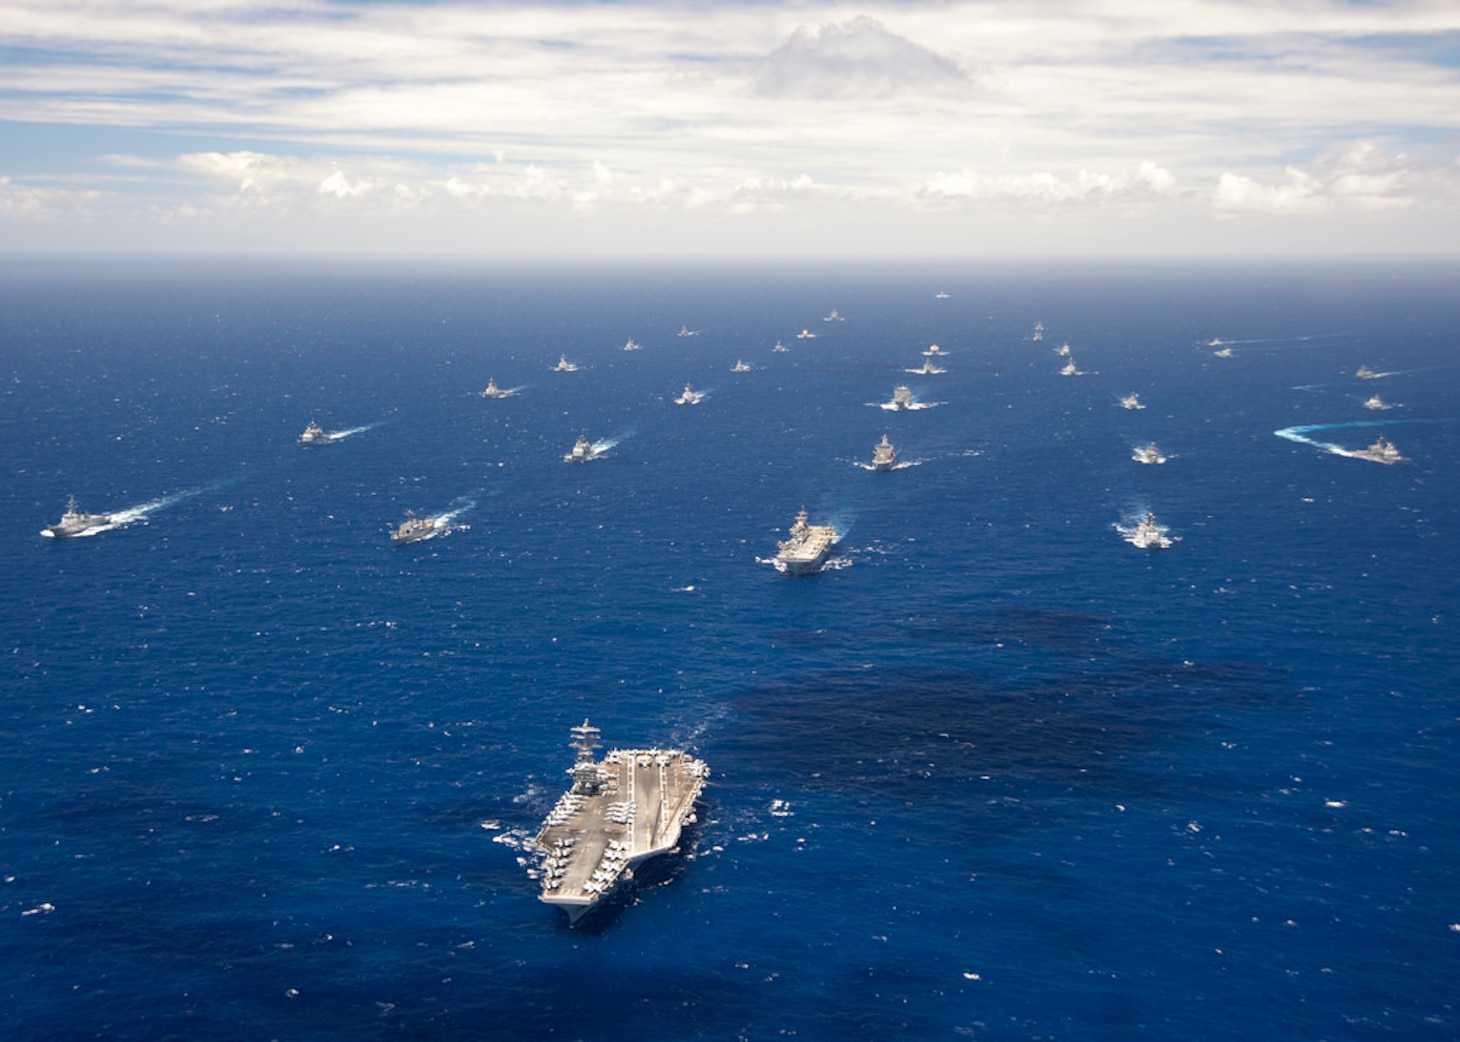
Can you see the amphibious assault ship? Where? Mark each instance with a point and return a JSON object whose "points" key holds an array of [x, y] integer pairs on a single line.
{"points": [[883, 455], [74, 522], [807, 548], [620, 812]]}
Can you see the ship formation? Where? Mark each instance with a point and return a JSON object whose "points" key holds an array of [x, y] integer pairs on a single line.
{"points": [[620, 811], [806, 547]]}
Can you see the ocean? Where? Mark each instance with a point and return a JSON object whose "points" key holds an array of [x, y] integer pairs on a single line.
{"points": [[994, 773]]}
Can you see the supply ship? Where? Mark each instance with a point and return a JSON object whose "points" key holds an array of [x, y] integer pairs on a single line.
{"points": [[621, 811], [807, 548]]}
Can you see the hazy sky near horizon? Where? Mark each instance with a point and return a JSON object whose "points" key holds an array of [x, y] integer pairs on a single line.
{"points": [[937, 128]]}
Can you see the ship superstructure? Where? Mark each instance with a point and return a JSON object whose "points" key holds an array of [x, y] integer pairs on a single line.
{"points": [[806, 547], [902, 397], [620, 811]]}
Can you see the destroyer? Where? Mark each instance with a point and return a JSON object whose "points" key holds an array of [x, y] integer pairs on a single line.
{"points": [[629, 345], [807, 548], [1148, 453], [1382, 451], [934, 351], [565, 366], [883, 455], [620, 812], [1223, 352], [75, 522], [1148, 535], [1131, 401], [493, 391], [780, 348], [314, 434], [1070, 369], [739, 367], [583, 451], [413, 529], [833, 317], [1377, 403]]}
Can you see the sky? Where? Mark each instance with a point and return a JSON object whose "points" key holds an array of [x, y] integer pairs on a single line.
{"points": [[745, 128]]}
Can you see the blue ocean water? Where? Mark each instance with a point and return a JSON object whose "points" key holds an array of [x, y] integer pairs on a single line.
{"points": [[996, 774]]}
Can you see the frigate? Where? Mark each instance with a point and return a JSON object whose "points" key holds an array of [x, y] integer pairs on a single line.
{"points": [[807, 547], [620, 811]]}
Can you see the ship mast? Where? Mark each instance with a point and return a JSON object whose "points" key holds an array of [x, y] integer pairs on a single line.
{"points": [[585, 774]]}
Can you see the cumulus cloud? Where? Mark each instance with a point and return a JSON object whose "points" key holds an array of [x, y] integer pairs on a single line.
{"points": [[1043, 187], [20, 202], [861, 57], [1360, 178]]}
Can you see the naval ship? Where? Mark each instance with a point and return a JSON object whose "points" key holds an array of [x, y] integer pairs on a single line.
{"points": [[928, 369], [565, 366], [1149, 535], [901, 397], [1131, 401], [583, 451], [883, 455], [1375, 402], [807, 548], [413, 529], [314, 434], [1363, 372], [740, 366], [620, 812], [1148, 453], [74, 522], [493, 391], [689, 397], [934, 351], [1382, 451]]}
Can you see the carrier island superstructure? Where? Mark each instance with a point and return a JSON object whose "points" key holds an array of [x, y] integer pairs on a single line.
{"points": [[621, 811]]}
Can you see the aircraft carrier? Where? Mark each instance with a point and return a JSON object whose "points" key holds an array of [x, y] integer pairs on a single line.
{"points": [[620, 812]]}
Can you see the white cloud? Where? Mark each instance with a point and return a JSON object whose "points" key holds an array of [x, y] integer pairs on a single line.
{"points": [[340, 187], [19, 202], [1360, 178]]}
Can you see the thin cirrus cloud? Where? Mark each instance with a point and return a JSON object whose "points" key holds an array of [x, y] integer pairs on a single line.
{"points": [[961, 117]]}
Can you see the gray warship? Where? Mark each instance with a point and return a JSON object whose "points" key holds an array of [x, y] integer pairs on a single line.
{"points": [[75, 521], [689, 397], [883, 455], [412, 530], [493, 391], [902, 397], [1147, 453], [1131, 401], [1148, 535], [314, 434], [583, 451], [807, 547], [620, 811], [1382, 451], [565, 366]]}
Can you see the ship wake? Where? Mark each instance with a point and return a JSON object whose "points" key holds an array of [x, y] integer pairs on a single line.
{"points": [[1301, 435], [143, 511]]}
